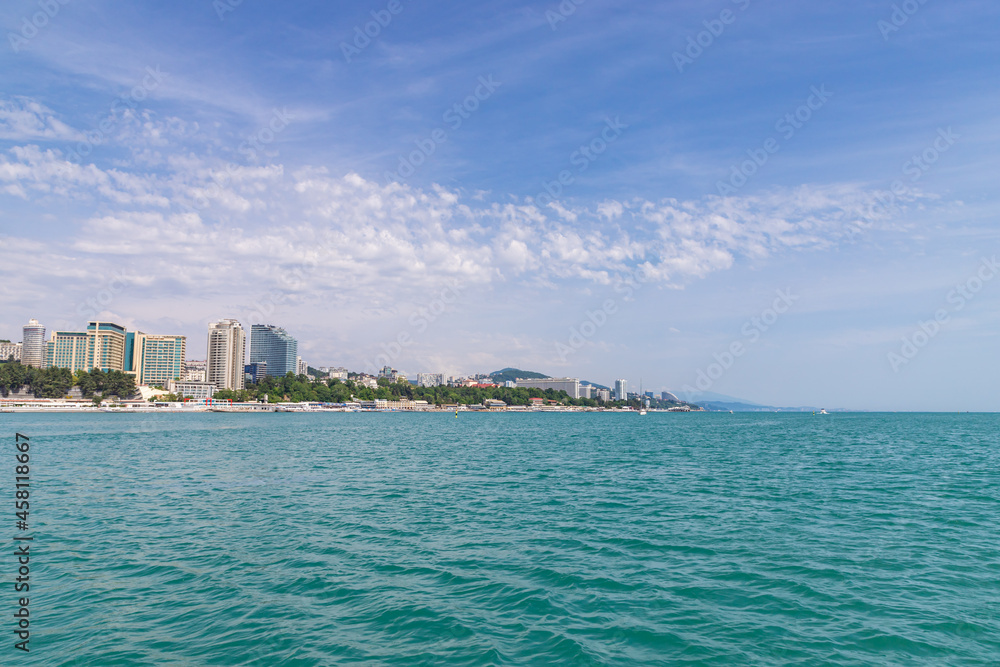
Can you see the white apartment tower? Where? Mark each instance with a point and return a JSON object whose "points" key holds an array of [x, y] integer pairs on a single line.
{"points": [[621, 390], [227, 342]]}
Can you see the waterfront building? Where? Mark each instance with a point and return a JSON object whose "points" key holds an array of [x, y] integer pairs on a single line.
{"points": [[10, 351], [586, 391], [106, 346], [275, 348], [570, 385], [602, 395], [33, 344], [199, 391], [101, 346], [154, 360], [226, 353], [66, 349], [621, 390]]}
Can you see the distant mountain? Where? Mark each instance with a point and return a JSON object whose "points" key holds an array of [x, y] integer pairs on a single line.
{"points": [[594, 384], [722, 403], [702, 397], [719, 406], [515, 373]]}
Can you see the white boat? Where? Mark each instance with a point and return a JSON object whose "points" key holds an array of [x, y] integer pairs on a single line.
{"points": [[824, 412]]}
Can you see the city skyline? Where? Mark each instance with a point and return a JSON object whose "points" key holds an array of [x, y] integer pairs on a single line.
{"points": [[677, 192], [161, 360]]}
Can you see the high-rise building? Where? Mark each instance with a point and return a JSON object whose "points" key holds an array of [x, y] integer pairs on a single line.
{"points": [[154, 360], [33, 344], [586, 391], [570, 385], [602, 394], [105, 346], [101, 346], [301, 367], [227, 344], [10, 351], [273, 346], [621, 390], [67, 349]]}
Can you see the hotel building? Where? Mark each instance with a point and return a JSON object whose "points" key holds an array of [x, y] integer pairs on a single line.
{"points": [[570, 385], [227, 344], [105, 346], [273, 346], [66, 349], [154, 360]]}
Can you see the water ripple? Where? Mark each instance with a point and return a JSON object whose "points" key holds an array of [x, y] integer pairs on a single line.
{"points": [[514, 539]]}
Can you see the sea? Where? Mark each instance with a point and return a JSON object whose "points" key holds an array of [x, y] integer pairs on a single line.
{"points": [[506, 539]]}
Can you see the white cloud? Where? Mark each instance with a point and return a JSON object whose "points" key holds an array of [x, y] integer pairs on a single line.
{"points": [[23, 119], [394, 236]]}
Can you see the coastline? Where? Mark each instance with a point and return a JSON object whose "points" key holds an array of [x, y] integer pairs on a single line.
{"points": [[298, 408]]}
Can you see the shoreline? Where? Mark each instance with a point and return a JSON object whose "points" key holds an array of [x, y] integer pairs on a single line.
{"points": [[291, 409]]}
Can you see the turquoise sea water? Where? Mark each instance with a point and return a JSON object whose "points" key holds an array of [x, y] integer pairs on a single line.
{"points": [[536, 539]]}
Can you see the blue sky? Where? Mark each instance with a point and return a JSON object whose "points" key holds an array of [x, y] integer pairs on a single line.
{"points": [[167, 165]]}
